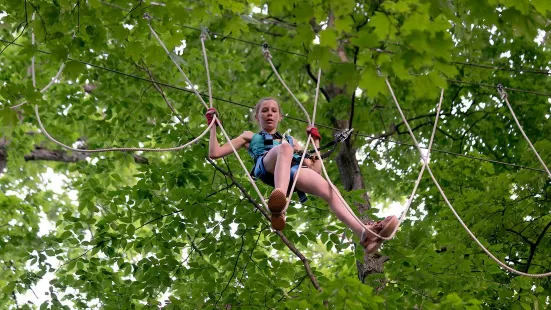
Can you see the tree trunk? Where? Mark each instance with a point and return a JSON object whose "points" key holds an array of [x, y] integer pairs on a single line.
{"points": [[352, 179]]}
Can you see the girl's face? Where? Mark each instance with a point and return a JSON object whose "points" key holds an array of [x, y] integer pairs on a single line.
{"points": [[268, 115]]}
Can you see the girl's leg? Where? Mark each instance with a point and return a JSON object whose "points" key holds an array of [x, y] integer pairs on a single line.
{"points": [[311, 182], [278, 162]]}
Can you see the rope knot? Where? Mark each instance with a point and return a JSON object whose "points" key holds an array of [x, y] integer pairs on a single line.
{"points": [[204, 33], [265, 51], [147, 16], [501, 91], [425, 157]]}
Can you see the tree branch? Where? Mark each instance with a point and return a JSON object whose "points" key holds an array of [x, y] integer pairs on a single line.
{"points": [[234, 267], [534, 247], [288, 243], [62, 156]]}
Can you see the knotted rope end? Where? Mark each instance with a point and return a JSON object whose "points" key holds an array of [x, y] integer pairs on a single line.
{"points": [[501, 91], [265, 51]]}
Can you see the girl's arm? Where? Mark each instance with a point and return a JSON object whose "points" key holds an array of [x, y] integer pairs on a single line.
{"points": [[217, 151]]}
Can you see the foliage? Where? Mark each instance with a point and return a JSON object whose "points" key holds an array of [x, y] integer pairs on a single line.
{"points": [[177, 229]]}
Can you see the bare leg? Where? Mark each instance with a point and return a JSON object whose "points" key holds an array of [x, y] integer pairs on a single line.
{"points": [[311, 182], [278, 162]]}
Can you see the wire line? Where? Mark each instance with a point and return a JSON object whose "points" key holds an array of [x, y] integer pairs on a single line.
{"points": [[297, 119]]}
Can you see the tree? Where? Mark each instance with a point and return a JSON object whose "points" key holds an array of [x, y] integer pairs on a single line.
{"points": [[147, 226]]}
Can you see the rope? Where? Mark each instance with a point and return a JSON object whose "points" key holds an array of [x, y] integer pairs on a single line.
{"points": [[540, 275], [268, 57], [203, 38], [306, 146], [241, 162], [32, 59], [56, 77], [503, 95], [315, 101], [425, 163], [117, 149], [291, 117], [216, 120], [288, 117], [174, 61]]}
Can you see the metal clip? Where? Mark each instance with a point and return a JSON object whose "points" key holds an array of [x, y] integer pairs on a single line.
{"points": [[343, 135]]}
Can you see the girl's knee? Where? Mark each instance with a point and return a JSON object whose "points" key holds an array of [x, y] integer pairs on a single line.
{"points": [[285, 149]]}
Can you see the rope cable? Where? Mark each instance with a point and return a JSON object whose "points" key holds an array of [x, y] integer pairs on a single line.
{"points": [[503, 265], [305, 147], [176, 63], [503, 95], [203, 38], [268, 57], [53, 80], [33, 74], [241, 162], [116, 149], [289, 117]]}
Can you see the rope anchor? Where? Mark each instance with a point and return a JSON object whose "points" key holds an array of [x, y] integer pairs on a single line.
{"points": [[501, 91], [204, 33], [343, 135], [266, 52]]}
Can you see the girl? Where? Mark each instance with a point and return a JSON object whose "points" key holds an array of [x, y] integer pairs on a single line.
{"points": [[276, 164]]}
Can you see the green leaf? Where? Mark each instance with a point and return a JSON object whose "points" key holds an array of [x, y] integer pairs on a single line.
{"points": [[73, 69], [382, 25], [328, 37], [9, 288], [372, 83]]}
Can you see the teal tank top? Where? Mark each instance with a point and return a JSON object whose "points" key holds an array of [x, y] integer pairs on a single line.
{"points": [[257, 147]]}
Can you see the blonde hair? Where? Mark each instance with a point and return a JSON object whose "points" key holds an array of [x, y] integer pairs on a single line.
{"points": [[261, 101]]}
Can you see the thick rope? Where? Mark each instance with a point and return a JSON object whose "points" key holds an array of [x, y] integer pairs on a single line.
{"points": [[402, 217], [117, 149], [315, 102], [32, 59], [504, 96], [539, 275], [305, 147], [52, 82], [178, 66], [425, 163], [253, 183], [268, 57], [203, 38], [296, 175]]}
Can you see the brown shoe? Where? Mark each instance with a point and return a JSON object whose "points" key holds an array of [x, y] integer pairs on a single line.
{"points": [[276, 204], [383, 228]]}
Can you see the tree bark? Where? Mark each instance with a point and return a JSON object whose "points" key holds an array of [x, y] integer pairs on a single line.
{"points": [[54, 155]]}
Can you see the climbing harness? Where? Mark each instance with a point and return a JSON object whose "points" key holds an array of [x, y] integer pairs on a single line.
{"points": [[259, 171]]}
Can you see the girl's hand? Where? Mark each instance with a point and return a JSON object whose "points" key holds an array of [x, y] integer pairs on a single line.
{"points": [[314, 132], [209, 115]]}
